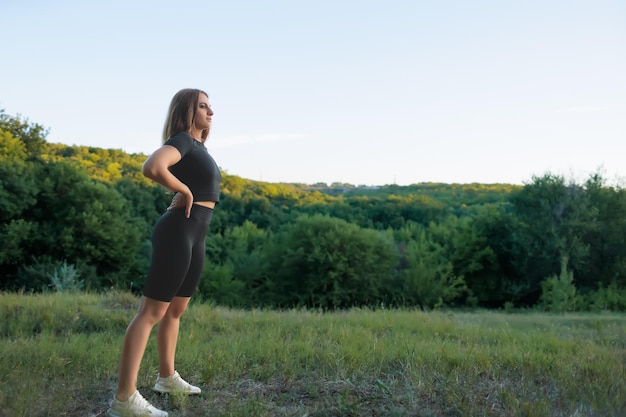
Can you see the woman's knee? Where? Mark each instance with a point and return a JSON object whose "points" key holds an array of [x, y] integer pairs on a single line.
{"points": [[152, 310], [177, 307]]}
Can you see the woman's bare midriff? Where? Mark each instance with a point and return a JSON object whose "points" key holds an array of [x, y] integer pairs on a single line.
{"points": [[209, 204]]}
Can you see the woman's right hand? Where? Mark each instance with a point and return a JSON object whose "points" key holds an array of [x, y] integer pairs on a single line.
{"points": [[181, 200]]}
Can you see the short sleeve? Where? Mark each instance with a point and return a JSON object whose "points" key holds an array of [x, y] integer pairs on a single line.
{"points": [[182, 142]]}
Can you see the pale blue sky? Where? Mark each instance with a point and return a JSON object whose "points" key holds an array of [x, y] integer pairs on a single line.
{"points": [[335, 91]]}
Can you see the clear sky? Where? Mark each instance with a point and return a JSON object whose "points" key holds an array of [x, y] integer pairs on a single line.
{"points": [[363, 92]]}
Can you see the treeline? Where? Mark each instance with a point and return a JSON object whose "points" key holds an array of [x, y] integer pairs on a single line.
{"points": [[75, 217]]}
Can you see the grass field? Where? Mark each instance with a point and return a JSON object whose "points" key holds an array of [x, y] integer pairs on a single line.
{"points": [[59, 355]]}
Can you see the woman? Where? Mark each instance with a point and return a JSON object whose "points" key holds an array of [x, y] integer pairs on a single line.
{"points": [[183, 165]]}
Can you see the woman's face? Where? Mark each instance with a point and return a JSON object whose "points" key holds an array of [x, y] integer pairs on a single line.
{"points": [[202, 120]]}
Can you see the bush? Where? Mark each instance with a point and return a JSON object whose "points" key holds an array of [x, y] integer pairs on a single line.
{"points": [[610, 298], [559, 292], [325, 262], [45, 273], [429, 280], [65, 279], [218, 285]]}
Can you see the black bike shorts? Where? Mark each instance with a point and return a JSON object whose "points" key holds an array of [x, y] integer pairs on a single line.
{"points": [[178, 251]]}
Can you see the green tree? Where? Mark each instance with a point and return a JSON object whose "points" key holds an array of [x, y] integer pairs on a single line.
{"points": [[32, 135], [427, 277], [236, 267], [83, 220], [320, 261], [17, 178], [606, 237], [551, 219], [18, 192]]}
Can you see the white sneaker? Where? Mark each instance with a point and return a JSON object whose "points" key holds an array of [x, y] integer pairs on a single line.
{"points": [[175, 383], [136, 406]]}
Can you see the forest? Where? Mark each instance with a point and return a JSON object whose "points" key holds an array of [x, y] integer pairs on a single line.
{"points": [[77, 218]]}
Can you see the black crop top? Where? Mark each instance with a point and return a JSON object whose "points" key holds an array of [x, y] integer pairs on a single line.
{"points": [[196, 169]]}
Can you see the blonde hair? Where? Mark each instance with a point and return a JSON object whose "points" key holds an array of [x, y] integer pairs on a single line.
{"points": [[181, 113]]}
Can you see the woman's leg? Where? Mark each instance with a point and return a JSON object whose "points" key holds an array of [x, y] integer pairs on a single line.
{"points": [[134, 345], [167, 335]]}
